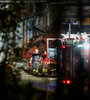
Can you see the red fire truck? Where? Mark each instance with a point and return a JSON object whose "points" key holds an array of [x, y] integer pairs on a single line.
{"points": [[65, 56], [69, 58]]}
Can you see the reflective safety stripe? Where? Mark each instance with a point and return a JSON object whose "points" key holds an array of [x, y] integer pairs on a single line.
{"points": [[53, 70], [44, 70], [34, 70]]}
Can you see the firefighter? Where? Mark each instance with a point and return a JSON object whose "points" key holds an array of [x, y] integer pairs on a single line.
{"points": [[35, 60], [45, 62]]}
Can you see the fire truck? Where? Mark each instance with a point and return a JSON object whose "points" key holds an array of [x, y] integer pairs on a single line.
{"points": [[65, 56], [71, 55]]}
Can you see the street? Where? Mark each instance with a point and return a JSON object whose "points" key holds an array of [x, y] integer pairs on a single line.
{"points": [[39, 82]]}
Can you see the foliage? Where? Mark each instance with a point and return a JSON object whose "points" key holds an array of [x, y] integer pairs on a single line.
{"points": [[10, 16]]}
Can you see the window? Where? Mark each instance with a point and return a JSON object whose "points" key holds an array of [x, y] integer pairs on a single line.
{"points": [[53, 43]]}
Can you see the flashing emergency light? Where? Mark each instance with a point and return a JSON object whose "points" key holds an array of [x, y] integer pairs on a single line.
{"points": [[66, 82], [63, 81], [63, 46]]}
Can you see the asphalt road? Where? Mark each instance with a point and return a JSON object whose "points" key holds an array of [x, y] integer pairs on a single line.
{"points": [[39, 82]]}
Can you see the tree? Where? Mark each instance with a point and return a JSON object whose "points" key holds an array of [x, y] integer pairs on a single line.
{"points": [[11, 14]]}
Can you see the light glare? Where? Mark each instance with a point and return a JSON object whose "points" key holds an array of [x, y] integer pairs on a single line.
{"points": [[80, 45], [86, 45]]}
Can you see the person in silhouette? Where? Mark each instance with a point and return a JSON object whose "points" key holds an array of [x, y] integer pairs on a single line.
{"points": [[35, 60], [45, 62]]}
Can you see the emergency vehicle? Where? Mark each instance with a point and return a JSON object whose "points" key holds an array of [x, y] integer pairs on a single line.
{"points": [[66, 50], [64, 54], [68, 56]]}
